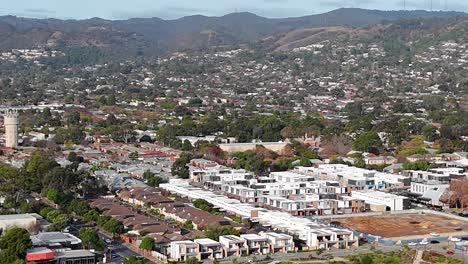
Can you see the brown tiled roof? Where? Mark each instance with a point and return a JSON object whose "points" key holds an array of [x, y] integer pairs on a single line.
{"points": [[119, 210], [148, 194], [197, 216], [131, 219]]}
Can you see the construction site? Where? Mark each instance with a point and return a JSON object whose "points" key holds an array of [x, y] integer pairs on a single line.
{"points": [[407, 225]]}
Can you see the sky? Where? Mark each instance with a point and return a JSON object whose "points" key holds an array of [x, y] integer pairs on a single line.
{"points": [[171, 9]]}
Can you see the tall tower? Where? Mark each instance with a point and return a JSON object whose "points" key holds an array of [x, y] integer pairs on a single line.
{"points": [[11, 123]]}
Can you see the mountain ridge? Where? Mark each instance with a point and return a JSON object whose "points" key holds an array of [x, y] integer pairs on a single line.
{"points": [[155, 36]]}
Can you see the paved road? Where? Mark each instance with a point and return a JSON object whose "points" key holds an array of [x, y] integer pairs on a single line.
{"points": [[340, 253], [121, 251]]}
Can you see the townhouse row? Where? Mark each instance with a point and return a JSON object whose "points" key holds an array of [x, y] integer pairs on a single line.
{"points": [[231, 245], [312, 234]]}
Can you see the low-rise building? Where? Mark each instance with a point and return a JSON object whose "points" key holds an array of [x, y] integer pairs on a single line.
{"points": [[279, 243], [257, 245], [29, 222], [381, 201], [233, 245], [183, 250], [209, 249]]}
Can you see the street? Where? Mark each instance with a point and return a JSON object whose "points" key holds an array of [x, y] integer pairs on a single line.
{"points": [[341, 253]]}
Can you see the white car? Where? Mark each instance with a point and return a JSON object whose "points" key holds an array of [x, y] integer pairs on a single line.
{"points": [[424, 242], [434, 234], [455, 239], [412, 244]]}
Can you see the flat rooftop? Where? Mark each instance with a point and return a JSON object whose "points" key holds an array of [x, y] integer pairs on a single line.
{"points": [[233, 238], [75, 254], [254, 237], [16, 217], [54, 237], [379, 194], [206, 242], [402, 225]]}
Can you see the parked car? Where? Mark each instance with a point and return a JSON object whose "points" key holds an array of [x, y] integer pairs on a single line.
{"points": [[450, 252], [412, 244], [455, 239], [434, 234], [424, 242]]}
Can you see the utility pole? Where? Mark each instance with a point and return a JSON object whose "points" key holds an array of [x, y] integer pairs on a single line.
{"points": [[431, 5], [404, 4]]}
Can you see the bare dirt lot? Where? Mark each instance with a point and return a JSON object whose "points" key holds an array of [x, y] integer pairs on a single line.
{"points": [[404, 225]]}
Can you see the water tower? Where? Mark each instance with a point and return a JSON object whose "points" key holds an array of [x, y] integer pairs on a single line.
{"points": [[11, 123]]}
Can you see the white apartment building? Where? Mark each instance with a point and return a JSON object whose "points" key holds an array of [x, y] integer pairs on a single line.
{"points": [[219, 174], [355, 177], [441, 175], [281, 221], [209, 249], [233, 245], [331, 238], [182, 250], [430, 190], [279, 242], [390, 202], [256, 244], [289, 176]]}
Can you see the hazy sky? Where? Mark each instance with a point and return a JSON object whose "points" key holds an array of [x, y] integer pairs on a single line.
{"points": [[168, 9]]}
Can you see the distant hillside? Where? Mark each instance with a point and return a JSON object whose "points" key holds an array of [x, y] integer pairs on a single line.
{"points": [[418, 33], [154, 36]]}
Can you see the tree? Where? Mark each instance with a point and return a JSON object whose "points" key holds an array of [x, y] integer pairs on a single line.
{"points": [[155, 181], [418, 165], [135, 260], [367, 141], [430, 133], [319, 251], [111, 100], [148, 174], [146, 138], [90, 239], [74, 119], [147, 243], [14, 244], [305, 162], [192, 260], [180, 168], [203, 205], [187, 146], [134, 155], [79, 207], [188, 224], [113, 226], [215, 233], [195, 102], [91, 215]]}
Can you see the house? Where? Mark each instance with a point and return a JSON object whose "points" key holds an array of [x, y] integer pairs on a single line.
{"points": [[381, 201], [45, 255], [279, 243], [183, 250], [330, 237], [380, 160], [257, 245], [233, 245], [209, 249], [29, 222], [430, 191], [56, 240]]}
